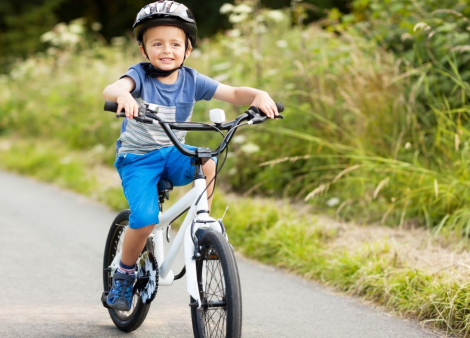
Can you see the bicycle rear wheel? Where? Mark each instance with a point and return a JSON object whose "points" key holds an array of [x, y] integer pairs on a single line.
{"points": [[219, 288], [124, 320]]}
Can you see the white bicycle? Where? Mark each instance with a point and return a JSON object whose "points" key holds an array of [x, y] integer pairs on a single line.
{"points": [[211, 270]]}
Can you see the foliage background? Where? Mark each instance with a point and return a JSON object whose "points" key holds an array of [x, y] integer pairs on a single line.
{"points": [[377, 103]]}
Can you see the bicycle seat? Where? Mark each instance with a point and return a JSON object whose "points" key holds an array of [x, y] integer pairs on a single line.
{"points": [[164, 185]]}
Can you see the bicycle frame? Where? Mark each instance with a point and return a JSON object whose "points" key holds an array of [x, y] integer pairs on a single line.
{"points": [[183, 237], [198, 215]]}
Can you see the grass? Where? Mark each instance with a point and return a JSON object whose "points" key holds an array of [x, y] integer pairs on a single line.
{"points": [[375, 270]]}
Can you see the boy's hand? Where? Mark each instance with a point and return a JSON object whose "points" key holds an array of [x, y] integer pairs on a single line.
{"points": [[266, 104], [129, 104]]}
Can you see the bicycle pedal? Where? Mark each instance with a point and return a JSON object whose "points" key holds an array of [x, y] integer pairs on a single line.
{"points": [[104, 296]]}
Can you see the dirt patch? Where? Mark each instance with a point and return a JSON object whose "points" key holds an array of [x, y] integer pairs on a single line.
{"points": [[418, 248]]}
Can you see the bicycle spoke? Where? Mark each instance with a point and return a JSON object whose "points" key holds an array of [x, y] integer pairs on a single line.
{"points": [[214, 317], [220, 313]]}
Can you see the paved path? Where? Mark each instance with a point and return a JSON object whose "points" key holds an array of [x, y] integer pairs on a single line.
{"points": [[51, 246]]}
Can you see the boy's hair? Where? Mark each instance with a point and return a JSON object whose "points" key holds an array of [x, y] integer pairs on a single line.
{"points": [[165, 13]]}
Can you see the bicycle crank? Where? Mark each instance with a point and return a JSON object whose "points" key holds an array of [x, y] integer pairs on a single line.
{"points": [[146, 277]]}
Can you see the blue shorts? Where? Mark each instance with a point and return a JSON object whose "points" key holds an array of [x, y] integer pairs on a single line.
{"points": [[140, 175]]}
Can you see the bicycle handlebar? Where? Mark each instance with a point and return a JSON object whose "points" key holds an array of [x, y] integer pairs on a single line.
{"points": [[253, 115]]}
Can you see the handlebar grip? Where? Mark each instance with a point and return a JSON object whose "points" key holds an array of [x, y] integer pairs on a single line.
{"points": [[280, 107], [110, 106]]}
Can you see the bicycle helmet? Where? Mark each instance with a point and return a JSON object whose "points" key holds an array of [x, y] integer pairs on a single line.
{"points": [[165, 13], [160, 13]]}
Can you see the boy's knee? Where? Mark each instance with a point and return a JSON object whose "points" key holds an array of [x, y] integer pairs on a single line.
{"points": [[143, 219], [145, 231], [209, 167]]}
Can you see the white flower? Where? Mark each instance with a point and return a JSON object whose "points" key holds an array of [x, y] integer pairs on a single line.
{"points": [[76, 29], [281, 43], [226, 8], [69, 38], [60, 27], [276, 15], [48, 36], [332, 202], [243, 8], [239, 139], [249, 148], [237, 18]]}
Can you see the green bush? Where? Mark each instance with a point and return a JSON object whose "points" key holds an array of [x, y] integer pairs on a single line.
{"points": [[423, 33]]}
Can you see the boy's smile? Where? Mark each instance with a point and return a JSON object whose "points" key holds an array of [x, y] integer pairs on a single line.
{"points": [[165, 47]]}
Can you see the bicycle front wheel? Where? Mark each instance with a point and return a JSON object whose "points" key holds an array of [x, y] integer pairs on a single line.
{"points": [[124, 320], [219, 288]]}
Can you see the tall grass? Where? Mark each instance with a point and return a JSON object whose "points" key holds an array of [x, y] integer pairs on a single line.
{"points": [[366, 136]]}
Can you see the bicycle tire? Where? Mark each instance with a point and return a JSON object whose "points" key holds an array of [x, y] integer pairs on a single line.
{"points": [[126, 321], [219, 287]]}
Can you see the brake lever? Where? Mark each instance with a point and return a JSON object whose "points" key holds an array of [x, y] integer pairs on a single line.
{"points": [[257, 116], [137, 118], [145, 114]]}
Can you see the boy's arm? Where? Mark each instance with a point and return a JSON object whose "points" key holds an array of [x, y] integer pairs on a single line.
{"points": [[120, 92], [247, 96]]}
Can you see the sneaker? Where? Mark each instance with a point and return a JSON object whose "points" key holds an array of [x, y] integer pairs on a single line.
{"points": [[120, 295]]}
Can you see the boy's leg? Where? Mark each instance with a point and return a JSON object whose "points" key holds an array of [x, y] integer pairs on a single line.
{"points": [[139, 175], [209, 170], [134, 242]]}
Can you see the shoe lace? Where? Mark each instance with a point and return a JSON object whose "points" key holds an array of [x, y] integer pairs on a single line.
{"points": [[123, 289]]}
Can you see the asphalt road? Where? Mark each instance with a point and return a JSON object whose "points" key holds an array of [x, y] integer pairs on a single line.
{"points": [[51, 247]]}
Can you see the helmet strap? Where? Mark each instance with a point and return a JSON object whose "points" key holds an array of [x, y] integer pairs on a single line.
{"points": [[152, 71], [157, 72]]}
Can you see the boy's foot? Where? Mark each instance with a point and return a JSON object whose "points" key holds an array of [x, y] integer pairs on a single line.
{"points": [[120, 295]]}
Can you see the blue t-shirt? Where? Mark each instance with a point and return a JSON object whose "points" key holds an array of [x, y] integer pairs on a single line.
{"points": [[175, 103]]}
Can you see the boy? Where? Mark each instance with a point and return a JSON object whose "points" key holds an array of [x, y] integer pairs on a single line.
{"points": [[166, 32]]}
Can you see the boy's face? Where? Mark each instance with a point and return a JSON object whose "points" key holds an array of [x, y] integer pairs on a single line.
{"points": [[165, 46]]}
